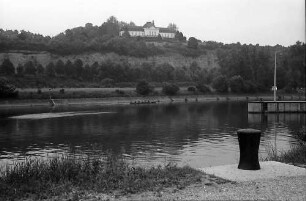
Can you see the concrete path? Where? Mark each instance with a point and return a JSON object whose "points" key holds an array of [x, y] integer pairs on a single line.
{"points": [[269, 170]]}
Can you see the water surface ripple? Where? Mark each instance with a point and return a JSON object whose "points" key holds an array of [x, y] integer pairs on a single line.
{"points": [[195, 134]]}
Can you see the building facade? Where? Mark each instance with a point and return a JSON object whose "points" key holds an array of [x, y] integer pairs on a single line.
{"points": [[149, 30]]}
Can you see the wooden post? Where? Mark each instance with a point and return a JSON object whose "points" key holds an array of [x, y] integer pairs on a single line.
{"points": [[249, 140]]}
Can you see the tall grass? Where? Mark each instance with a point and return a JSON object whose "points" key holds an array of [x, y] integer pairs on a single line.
{"points": [[296, 155], [45, 178]]}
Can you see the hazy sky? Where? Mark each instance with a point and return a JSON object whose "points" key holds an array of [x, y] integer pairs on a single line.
{"points": [[266, 22]]}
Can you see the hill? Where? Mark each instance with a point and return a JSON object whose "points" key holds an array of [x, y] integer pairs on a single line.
{"points": [[96, 55]]}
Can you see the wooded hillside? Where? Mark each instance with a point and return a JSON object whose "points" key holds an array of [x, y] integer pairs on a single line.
{"points": [[96, 54]]}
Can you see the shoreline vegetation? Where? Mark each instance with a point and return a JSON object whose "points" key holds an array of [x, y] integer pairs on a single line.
{"points": [[295, 156], [70, 174], [115, 96]]}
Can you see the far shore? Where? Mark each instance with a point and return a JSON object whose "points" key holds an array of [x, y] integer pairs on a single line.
{"points": [[163, 99]]}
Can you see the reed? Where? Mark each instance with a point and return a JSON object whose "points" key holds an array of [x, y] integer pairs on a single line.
{"points": [[296, 155]]}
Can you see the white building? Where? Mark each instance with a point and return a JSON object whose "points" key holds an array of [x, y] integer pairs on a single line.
{"points": [[149, 30]]}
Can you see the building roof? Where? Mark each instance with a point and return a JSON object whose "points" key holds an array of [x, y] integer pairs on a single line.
{"points": [[166, 30], [149, 24], [135, 28]]}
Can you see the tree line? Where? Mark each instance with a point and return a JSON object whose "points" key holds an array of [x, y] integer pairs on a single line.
{"points": [[253, 66], [90, 38], [117, 71], [243, 68]]}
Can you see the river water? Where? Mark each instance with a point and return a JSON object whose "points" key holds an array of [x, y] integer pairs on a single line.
{"points": [[194, 134]]}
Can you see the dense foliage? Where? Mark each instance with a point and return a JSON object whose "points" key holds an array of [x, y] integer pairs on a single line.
{"points": [[7, 90], [255, 66], [104, 38], [238, 73], [242, 68], [170, 89], [144, 88]]}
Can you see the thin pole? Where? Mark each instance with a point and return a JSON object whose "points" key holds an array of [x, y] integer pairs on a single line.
{"points": [[274, 87]]}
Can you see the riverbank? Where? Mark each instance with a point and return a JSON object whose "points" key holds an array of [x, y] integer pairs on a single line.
{"points": [[12, 103], [91, 179], [204, 188]]}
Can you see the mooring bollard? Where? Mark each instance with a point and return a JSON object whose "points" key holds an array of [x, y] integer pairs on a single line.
{"points": [[249, 140]]}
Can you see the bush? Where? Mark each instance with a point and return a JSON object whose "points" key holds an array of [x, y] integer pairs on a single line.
{"points": [[192, 89], [170, 89], [7, 90], [203, 88], [62, 91], [220, 84], [7, 68], [192, 43], [144, 88]]}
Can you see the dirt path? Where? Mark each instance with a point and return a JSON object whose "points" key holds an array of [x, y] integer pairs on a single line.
{"points": [[282, 188]]}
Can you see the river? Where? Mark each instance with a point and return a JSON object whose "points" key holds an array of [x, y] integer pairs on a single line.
{"points": [[196, 134]]}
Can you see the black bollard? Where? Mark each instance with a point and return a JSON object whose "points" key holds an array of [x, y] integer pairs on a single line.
{"points": [[249, 140]]}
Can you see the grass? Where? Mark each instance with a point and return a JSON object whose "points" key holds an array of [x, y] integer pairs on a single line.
{"points": [[60, 175], [296, 155]]}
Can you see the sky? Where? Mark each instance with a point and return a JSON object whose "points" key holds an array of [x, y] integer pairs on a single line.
{"points": [[263, 22]]}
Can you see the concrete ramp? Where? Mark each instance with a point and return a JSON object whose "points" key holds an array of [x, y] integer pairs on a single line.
{"points": [[269, 170]]}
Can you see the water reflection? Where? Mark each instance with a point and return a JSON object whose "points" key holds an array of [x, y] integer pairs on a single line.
{"points": [[197, 134]]}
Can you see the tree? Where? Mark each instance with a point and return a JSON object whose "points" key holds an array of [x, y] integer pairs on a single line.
{"points": [[159, 37], [29, 68], [20, 70], [22, 35], [87, 72], [236, 84], [59, 67], [69, 34], [220, 84], [78, 67], [50, 70], [144, 88], [132, 23], [40, 69], [202, 87], [126, 34], [164, 72], [170, 89], [110, 27], [7, 90], [179, 36], [194, 71], [7, 67], [173, 27], [192, 43], [69, 69]]}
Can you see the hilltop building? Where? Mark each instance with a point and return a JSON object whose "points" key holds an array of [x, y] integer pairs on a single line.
{"points": [[149, 30]]}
